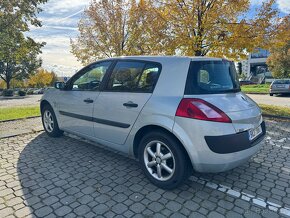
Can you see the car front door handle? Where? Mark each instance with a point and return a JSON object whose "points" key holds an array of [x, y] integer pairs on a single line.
{"points": [[89, 101], [130, 104]]}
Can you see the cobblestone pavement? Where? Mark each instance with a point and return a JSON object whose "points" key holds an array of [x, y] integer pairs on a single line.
{"points": [[29, 100], [17, 127], [67, 177]]}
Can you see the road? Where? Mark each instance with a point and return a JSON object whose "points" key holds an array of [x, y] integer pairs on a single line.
{"points": [[30, 100], [274, 100], [33, 100]]}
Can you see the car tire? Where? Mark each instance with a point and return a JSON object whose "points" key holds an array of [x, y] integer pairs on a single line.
{"points": [[49, 122], [168, 167], [271, 94]]}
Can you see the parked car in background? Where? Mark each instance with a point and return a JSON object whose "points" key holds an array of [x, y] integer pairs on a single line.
{"points": [[171, 113], [280, 86], [246, 82]]}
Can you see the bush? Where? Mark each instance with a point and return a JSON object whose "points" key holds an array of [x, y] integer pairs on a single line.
{"points": [[21, 93], [30, 92], [8, 93]]}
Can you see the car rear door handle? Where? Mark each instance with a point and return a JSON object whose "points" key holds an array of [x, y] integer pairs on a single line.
{"points": [[130, 104], [89, 101]]}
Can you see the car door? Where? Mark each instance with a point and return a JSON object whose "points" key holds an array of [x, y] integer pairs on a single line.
{"points": [[76, 102], [128, 88]]}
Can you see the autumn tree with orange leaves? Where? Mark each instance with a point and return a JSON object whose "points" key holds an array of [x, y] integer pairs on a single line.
{"points": [[42, 78], [174, 27]]}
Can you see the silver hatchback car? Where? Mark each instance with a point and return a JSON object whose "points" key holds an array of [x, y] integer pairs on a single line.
{"points": [[280, 86], [174, 114]]}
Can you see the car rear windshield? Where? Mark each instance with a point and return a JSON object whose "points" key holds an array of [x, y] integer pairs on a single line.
{"points": [[281, 82], [212, 77]]}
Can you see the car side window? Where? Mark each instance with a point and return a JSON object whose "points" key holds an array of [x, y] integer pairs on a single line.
{"points": [[92, 78], [134, 77]]}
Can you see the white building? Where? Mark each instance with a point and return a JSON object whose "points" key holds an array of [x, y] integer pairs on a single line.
{"points": [[255, 67]]}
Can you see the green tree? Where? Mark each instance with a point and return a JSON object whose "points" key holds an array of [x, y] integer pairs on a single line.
{"points": [[18, 54]]}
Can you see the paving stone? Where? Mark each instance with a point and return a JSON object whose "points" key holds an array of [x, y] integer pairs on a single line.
{"points": [[62, 211], [214, 214], [101, 209], [81, 210], [43, 212], [138, 207]]}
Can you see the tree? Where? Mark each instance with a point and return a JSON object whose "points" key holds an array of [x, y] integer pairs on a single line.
{"points": [[184, 27], [54, 78], [279, 59], [18, 59], [41, 79], [18, 54], [119, 27], [217, 27]]}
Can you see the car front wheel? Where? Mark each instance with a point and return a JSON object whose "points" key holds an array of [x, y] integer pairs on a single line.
{"points": [[49, 122], [163, 160]]}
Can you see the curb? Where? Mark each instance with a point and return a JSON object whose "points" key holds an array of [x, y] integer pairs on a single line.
{"points": [[256, 93], [5, 121], [21, 133], [276, 117]]}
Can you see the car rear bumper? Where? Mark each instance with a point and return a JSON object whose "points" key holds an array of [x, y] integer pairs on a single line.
{"points": [[282, 91], [231, 148], [224, 144]]}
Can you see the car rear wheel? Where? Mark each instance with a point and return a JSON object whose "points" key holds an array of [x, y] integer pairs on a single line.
{"points": [[49, 122], [163, 160], [271, 94]]}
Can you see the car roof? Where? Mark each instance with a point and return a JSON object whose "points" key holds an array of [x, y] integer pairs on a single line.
{"points": [[168, 58]]}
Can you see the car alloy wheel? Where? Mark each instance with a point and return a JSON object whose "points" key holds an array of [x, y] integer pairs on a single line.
{"points": [[48, 121], [159, 160]]}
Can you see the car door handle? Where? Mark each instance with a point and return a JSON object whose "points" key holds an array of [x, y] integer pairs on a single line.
{"points": [[130, 104], [89, 101]]}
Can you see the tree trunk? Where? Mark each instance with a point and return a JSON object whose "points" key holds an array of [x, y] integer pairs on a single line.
{"points": [[8, 84], [198, 53]]}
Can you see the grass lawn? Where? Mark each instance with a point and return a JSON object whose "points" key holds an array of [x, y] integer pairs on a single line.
{"points": [[275, 110], [263, 89], [18, 112], [23, 112]]}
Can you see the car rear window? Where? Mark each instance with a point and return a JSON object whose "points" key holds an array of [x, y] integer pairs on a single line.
{"points": [[281, 82], [212, 77]]}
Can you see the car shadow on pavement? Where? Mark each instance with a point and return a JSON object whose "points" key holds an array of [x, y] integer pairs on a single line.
{"points": [[67, 176]]}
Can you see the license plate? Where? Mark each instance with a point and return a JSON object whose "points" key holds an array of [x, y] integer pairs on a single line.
{"points": [[280, 86], [254, 133]]}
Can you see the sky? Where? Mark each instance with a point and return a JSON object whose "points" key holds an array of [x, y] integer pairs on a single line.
{"points": [[60, 19]]}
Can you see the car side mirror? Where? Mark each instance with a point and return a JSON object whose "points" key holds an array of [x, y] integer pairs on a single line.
{"points": [[59, 85]]}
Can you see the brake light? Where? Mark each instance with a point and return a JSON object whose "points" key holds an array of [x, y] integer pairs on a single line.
{"points": [[195, 108]]}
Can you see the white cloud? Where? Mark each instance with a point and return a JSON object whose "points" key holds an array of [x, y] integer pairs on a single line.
{"points": [[284, 6], [62, 6]]}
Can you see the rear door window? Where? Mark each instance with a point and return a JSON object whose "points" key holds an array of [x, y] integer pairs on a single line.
{"points": [[281, 82], [134, 76], [211, 77]]}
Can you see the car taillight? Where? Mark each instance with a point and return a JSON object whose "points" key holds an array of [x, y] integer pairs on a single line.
{"points": [[202, 110]]}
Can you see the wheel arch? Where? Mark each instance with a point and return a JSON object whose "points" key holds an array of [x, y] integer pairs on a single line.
{"points": [[149, 128], [44, 103]]}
